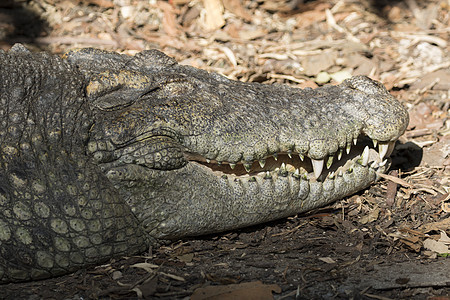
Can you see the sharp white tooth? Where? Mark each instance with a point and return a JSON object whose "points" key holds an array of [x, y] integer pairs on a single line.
{"points": [[390, 149], [374, 165], [375, 143], [247, 167], [275, 156], [365, 156], [317, 167], [302, 157], [383, 163], [283, 167], [262, 163], [289, 154], [382, 150], [267, 176], [232, 166], [297, 172], [355, 141], [330, 161], [340, 154], [208, 161], [348, 147], [331, 176]]}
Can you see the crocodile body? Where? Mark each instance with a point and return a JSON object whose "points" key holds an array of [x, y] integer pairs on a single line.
{"points": [[103, 155]]}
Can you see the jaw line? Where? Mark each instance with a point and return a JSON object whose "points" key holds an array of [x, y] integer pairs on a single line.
{"points": [[292, 164]]}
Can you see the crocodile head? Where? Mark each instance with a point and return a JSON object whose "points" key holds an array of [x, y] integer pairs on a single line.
{"points": [[193, 152]]}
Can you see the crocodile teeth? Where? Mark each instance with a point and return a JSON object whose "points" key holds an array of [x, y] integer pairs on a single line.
{"points": [[289, 154], [355, 141], [283, 167], [297, 172], [365, 156], [347, 149], [247, 167], [267, 176], [383, 163], [275, 156], [382, 150], [208, 161], [317, 167], [331, 175], [375, 143], [262, 163], [330, 161], [391, 148], [340, 154], [302, 157], [232, 166]]}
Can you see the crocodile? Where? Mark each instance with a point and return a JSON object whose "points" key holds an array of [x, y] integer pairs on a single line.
{"points": [[104, 155]]}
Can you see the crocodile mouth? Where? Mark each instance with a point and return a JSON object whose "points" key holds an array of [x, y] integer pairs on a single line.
{"points": [[364, 151]]}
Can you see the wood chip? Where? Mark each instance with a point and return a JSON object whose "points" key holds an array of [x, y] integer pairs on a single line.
{"points": [[395, 179], [213, 14], [391, 190]]}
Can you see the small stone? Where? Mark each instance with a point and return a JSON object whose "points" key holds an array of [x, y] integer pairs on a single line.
{"points": [[323, 77], [341, 75]]}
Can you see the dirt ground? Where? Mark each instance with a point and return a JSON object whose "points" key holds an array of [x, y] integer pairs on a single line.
{"points": [[389, 241]]}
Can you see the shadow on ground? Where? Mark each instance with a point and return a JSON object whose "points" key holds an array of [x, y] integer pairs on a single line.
{"points": [[406, 156], [20, 24]]}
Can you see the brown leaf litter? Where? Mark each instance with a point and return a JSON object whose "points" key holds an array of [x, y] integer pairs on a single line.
{"points": [[387, 242]]}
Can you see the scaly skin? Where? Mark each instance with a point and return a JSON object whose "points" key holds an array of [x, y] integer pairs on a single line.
{"points": [[102, 155]]}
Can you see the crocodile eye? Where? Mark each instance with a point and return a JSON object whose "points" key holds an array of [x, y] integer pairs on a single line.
{"points": [[113, 90]]}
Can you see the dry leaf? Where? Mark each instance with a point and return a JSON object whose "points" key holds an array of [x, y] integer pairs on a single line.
{"points": [[395, 179], [444, 238], [327, 260], [372, 216], [146, 266], [244, 291], [173, 276], [436, 226], [438, 247], [187, 258], [437, 153]]}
